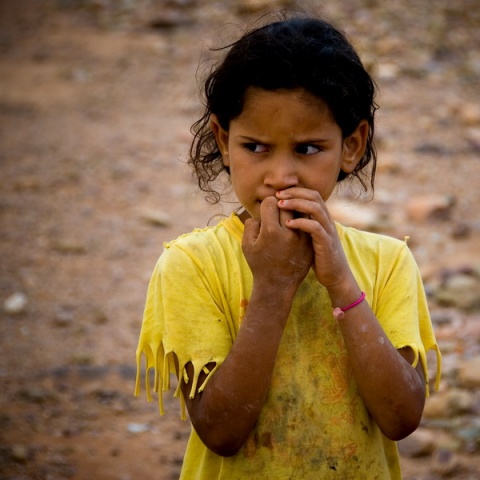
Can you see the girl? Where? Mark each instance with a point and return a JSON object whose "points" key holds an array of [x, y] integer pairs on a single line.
{"points": [[299, 344]]}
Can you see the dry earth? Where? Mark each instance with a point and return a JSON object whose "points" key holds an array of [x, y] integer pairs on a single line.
{"points": [[96, 101]]}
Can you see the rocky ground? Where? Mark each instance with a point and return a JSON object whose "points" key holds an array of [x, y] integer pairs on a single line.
{"points": [[96, 100]]}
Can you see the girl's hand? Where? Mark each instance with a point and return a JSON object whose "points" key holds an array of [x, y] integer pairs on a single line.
{"points": [[329, 263], [278, 256]]}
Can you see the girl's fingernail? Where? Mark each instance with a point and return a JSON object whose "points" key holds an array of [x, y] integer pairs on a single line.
{"points": [[282, 202]]}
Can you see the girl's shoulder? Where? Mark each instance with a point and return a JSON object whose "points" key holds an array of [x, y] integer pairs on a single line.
{"points": [[204, 251], [375, 257], [365, 241], [226, 233]]}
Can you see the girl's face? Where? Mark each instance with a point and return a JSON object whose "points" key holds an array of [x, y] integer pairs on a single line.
{"points": [[283, 139]]}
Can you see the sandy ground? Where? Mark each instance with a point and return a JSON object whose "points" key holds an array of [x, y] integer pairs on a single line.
{"points": [[96, 101]]}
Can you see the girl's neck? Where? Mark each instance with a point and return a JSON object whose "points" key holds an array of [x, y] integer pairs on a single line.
{"points": [[243, 215]]}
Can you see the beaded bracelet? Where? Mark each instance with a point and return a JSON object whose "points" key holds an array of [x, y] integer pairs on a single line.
{"points": [[339, 312]]}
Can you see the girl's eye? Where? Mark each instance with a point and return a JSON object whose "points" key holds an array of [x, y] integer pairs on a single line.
{"points": [[307, 149], [256, 147]]}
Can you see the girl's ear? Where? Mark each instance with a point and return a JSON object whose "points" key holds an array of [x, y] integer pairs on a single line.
{"points": [[354, 147], [221, 137]]}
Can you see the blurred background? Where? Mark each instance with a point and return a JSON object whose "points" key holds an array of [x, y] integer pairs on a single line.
{"points": [[96, 101]]}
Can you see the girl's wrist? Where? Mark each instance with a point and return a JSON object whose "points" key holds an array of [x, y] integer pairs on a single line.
{"points": [[268, 308], [344, 293], [339, 312], [275, 291]]}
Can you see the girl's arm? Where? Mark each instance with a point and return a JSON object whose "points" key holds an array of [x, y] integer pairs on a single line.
{"points": [[226, 411], [393, 391]]}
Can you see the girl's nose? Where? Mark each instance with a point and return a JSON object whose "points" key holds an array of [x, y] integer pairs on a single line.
{"points": [[281, 174]]}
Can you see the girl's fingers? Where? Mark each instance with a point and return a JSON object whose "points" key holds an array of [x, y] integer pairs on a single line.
{"points": [[303, 200], [285, 217], [299, 192], [271, 215], [269, 210], [311, 214], [306, 225]]}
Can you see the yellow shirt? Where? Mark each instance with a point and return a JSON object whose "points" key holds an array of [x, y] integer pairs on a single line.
{"points": [[314, 424]]}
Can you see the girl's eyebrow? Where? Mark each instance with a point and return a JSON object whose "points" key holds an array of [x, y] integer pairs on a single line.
{"points": [[301, 141], [249, 139], [313, 140]]}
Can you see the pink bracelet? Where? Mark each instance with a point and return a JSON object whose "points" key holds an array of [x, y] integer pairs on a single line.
{"points": [[339, 312]]}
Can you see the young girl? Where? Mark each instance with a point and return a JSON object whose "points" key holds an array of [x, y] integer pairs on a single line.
{"points": [[299, 344]]}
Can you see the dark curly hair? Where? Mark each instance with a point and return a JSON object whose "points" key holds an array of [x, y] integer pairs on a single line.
{"points": [[297, 52]]}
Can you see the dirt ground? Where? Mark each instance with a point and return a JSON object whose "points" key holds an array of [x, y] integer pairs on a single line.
{"points": [[96, 101]]}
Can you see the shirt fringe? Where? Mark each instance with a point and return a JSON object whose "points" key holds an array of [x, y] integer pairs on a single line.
{"points": [[164, 364], [438, 373], [421, 355]]}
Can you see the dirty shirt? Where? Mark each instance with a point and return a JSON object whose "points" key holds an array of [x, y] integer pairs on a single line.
{"points": [[314, 423]]}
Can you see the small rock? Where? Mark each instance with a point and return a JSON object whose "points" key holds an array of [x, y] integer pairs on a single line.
{"points": [[389, 46], [470, 436], [470, 115], [36, 395], [445, 462], [420, 443], [156, 217], [15, 303], [19, 453], [468, 373], [82, 359], [461, 230], [460, 291], [64, 316], [137, 427], [472, 135], [99, 316], [427, 207], [168, 19], [115, 452], [387, 71], [436, 149], [460, 401], [58, 459], [389, 165], [436, 406], [442, 317], [79, 75], [449, 404], [69, 246], [475, 270]]}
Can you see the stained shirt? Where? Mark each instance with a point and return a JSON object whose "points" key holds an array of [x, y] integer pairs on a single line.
{"points": [[314, 423]]}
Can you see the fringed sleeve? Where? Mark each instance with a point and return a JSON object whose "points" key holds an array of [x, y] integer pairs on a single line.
{"points": [[386, 270], [184, 321], [403, 312]]}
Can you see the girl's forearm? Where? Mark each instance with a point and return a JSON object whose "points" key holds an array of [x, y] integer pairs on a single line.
{"points": [[226, 411], [393, 391]]}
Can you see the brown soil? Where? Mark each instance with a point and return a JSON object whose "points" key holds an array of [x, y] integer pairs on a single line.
{"points": [[96, 101]]}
